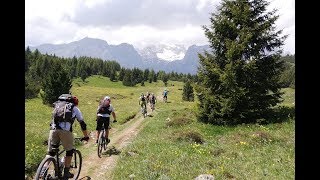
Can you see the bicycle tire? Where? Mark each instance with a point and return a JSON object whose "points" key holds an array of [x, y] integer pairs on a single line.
{"points": [[44, 168], [76, 164], [105, 144], [100, 143]]}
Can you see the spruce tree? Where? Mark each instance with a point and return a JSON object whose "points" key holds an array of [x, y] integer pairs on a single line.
{"points": [[187, 94], [238, 81], [55, 83], [127, 79]]}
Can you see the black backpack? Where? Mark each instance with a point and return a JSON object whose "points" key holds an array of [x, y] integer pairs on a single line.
{"points": [[103, 109], [62, 111]]}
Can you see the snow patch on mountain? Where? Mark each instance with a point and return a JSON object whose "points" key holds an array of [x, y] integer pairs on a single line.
{"points": [[169, 55], [167, 52]]}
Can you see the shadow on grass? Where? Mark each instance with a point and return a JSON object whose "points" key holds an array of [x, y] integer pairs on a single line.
{"points": [[111, 151], [85, 178], [279, 114]]}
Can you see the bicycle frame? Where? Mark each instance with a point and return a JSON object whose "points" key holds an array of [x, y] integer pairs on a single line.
{"points": [[101, 141]]}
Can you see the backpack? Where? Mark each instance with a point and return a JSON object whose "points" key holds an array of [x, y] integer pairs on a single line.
{"points": [[62, 111], [103, 108], [165, 93]]}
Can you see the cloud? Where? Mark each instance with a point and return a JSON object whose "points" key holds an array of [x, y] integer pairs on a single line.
{"points": [[138, 22], [160, 14]]}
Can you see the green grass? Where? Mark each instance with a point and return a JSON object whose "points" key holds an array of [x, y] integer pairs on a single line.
{"points": [[242, 152], [38, 116], [289, 97], [166, 148]]}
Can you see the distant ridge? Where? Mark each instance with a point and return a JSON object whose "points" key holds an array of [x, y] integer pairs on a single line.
{"points": [[128, 56]]}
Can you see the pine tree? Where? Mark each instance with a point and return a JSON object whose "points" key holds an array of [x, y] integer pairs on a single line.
{"points": [[187, 94], [112, 75], [56, 82], [238, 80], [127, 78]]}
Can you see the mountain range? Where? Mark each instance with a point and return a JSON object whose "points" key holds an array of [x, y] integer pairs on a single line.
{"points": [[164, 57]]}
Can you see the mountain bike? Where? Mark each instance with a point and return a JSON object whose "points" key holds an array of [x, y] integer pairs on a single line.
{"points": [[102, 142], [165, 99], [152, 106], [51, 167], [144, 111]]}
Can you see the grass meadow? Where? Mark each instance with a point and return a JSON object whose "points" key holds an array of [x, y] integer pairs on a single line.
{"points": [[173, 144]]}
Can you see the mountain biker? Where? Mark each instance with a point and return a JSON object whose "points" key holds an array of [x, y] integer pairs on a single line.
{"points": [[165, 94], [152, 100], [61, 131], [143, 100], [148, 96], [103, 117]]}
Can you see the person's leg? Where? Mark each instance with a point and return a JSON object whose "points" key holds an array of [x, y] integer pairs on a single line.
{"points": [[107, 127], [67, 143], [145, 106], [99, 127], [53, 139]]}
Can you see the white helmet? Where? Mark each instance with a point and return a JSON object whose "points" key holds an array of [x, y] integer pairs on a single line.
{"points": [[106, 98]]}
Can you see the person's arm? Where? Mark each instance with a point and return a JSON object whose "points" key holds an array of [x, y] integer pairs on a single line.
{"points": [[114, 116], [83, 125]]}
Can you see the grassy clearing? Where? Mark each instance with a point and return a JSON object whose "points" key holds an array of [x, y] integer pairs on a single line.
{"points": [[38, 116], [173, 145]]}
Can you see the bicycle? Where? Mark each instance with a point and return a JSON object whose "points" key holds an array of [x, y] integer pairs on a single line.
{"points": [[51, 167], [102, 142], [165, 99], [144, 111], [152, 106]]}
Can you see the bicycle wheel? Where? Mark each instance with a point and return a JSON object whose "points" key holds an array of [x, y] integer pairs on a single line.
{"points": [[104, 143], [144, 112], [47, 169], [100, 143], [76, 164]]}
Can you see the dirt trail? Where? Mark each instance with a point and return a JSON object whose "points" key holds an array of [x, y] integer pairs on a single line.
{"points": [[94, 167]]}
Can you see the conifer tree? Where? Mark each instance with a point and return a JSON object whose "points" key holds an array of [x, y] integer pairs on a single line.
{"points": [[238, 82], [55, 83], [187, 94]]}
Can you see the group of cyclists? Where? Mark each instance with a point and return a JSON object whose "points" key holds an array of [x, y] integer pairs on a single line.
{"points": [[148, 98], [61, 129]]}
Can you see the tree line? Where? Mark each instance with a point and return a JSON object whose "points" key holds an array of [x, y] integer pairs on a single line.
{"points": [[49, 72]]}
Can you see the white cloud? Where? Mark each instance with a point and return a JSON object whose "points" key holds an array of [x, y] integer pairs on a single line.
{"points": [[138, 22], [94, 3]]}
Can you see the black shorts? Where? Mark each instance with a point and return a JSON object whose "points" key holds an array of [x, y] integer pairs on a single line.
{"points": [[105, 121]]}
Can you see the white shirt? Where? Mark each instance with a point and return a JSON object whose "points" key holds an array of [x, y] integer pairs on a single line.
{"points": [[111, 109], [76, 113]]}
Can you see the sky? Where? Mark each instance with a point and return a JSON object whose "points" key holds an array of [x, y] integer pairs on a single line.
{"points": [[137, 22]]}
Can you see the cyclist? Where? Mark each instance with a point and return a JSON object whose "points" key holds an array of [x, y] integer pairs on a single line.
{"points": [[165, 94], [103, 117], [152, 100], [142, 101], [61, 131], [148, 96]]}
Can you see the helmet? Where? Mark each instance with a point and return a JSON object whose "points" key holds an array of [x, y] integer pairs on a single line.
{"points": [[142, 94], [65, 97], [107, 98], [75, 100]]}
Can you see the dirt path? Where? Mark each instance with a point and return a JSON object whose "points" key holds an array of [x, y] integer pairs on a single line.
{"points": [[94, 167]]}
